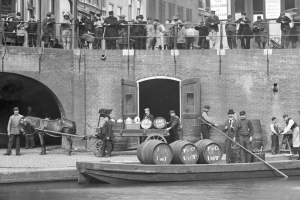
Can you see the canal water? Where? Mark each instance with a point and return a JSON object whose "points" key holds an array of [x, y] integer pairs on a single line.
{"points": [[248, 189]]}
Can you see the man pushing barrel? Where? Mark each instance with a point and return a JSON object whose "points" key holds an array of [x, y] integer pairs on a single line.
{"points": [[175, 125]]}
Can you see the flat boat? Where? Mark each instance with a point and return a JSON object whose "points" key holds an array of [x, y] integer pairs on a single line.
{"points": [[115, 173]]}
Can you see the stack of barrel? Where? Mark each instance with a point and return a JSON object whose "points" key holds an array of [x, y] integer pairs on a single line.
{"points": [[179, 152]]}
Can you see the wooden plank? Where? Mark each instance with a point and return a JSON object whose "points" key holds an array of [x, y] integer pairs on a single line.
{"points": [[139, 132]]}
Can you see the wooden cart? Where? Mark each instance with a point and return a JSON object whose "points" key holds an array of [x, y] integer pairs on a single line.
{"points": [[151, 134]]}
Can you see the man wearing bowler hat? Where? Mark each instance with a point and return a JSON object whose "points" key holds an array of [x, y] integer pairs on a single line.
{"points": [[176, 126], [245, 135], [13, 130], [231, 129], [230, 29], [285, 30], [111, 31]]}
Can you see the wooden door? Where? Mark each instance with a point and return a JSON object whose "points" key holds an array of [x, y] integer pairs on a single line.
{"points": [[129, 108], [190, 108], [129, 99]]}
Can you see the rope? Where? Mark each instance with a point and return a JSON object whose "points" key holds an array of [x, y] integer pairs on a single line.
{"points": [[51, 134]]}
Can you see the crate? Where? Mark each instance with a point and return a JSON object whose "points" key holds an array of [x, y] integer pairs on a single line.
{"points": [[133, 126], [117, 126]]}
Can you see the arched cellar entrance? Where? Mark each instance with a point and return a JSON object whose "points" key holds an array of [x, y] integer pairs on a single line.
{"points": [[160, 94], [22, 91]]}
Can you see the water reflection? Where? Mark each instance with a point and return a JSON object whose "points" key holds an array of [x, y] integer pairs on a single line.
{"points": [[271, 188]]}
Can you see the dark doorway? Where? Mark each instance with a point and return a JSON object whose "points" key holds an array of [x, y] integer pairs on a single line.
{"points": [[161, 96], [21, 91]]}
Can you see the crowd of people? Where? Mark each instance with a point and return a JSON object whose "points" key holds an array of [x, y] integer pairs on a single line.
{"points": [[95, 31]]}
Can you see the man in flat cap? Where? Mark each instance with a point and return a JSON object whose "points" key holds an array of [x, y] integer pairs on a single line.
{"points": [[13, 130], [176, 126], [259, 29], [212, 23], [244, 32], [285, 30], [122, 41], [245, 135], [230, 29], [206, 122], [111, 32], [231, 129]]}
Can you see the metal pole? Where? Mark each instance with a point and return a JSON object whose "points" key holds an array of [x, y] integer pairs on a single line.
{"points": [[246, 149]]}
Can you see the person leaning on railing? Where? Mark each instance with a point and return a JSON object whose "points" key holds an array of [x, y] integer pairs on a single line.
{"points": [[32, 31], [80, 28], [212, 23], [9, 27], [168, 34], [66, 29], [2, 22], [260, 33], [203, 33], [122, 40], [285, 29], [98, 24], [138, 31], [111, 32], [230, 29], [19, 30], [244, 32], [48, 27]]}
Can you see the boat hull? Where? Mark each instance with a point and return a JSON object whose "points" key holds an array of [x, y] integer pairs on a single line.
{"points": [[115, 173]]}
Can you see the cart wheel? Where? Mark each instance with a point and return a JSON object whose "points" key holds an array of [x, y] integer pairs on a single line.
{"points": [[156, 136], [97, 148]]}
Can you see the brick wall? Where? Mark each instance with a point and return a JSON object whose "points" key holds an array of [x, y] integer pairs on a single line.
{"points": [[83, 83]]}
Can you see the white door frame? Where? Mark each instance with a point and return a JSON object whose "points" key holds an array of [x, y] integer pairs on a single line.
{"points": [[157, 77]]}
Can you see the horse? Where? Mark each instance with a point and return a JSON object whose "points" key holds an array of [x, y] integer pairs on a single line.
{"points": [[58, 125]]}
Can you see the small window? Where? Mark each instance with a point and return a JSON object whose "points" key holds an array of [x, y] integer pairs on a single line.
{"points": [[110, 7], [190, 98], [119, 11], [129, 99]]}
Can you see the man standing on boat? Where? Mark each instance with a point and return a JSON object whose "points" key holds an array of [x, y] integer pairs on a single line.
{"points": [[293, 126], [231, 129], [245, 135], [204, 126], [175, 125], [275, 131]]}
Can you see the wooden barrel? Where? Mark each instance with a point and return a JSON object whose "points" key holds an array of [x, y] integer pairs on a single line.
{"points": [[257, 135], [155, 152], [209, 152], [217, 137], [184, 152], [192, 134]]}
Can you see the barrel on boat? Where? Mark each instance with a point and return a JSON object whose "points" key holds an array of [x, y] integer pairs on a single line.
{"points": [[257, 134], [192, 134], [184, 152], [155, 152], [217, 137], [209, 152]]}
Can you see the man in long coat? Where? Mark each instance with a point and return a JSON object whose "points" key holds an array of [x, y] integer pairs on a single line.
{"points": [[231, 128], [29, 138], [13, 130], [111, 32], [230, 29], [122, 41], [139, 31], [244, 31], [259, 29]]}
